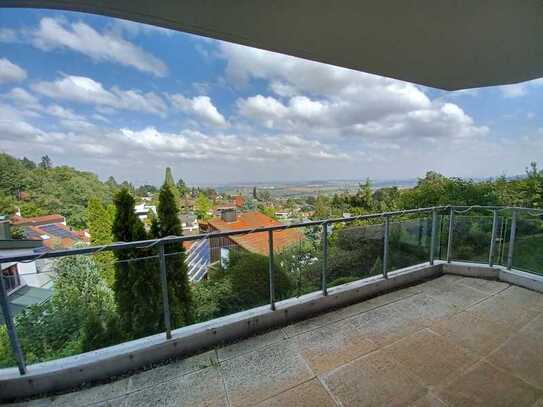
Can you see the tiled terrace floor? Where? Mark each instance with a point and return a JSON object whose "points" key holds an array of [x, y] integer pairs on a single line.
{"points": [[452, 341]]}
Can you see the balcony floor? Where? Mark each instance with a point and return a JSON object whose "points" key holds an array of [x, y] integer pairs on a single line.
{"points": [[452, 341]]}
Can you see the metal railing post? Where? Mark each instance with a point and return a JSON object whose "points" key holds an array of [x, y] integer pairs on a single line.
{"points": [[270, 269], [385, 247], [450, 238], [493, 238], [164, 284], [324, 258], [512, 240], [433, 236], [13, 339]]}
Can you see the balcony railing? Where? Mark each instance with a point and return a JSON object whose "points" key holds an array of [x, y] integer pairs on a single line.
{"points": [[505, 236]]}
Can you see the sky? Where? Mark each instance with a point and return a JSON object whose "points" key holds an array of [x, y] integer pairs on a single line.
{"points": [[125, 99]]}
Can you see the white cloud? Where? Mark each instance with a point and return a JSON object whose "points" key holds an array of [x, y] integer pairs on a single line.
{"points": [[104, 46], [519, 89], [9, 72], [200, 106], [86, 90], [323, 100]]}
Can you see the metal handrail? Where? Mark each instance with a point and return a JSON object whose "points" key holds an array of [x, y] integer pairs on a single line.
{"points": [[143, 244]]}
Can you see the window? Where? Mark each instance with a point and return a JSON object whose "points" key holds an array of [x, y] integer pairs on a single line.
{"points": [[11, 278]]}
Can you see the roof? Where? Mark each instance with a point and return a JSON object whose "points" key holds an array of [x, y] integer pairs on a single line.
{"points": [[447, 44], [37, 220], [59, 235], [24, 297], [257, 242], [238, 200]]}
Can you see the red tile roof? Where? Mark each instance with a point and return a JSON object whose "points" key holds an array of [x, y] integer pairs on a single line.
{"points": [[37, 220], [257, 242], [238, 200]]}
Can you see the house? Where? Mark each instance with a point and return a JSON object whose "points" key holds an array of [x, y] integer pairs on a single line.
{"points": [[189, 223], [142, 210], [51, 229], [282, 215], [23, 282], [238, 201], [231, 220]]}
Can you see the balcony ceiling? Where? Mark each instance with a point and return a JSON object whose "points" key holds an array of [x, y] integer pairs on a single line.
{"points": [[447, 44]]}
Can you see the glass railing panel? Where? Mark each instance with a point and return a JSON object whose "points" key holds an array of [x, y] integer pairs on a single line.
{"points": [[528, 253], [299, 259], [354, 252], [470, 239], [225, 276], [409, 242]]}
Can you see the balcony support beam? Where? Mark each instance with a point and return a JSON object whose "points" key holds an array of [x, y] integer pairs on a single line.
{"points": [[512, 236], [493, 238]]}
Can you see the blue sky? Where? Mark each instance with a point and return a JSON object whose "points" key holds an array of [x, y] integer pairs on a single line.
{"points": [[125, 99]]}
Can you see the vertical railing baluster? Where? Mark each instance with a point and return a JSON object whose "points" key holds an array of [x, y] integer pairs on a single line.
{"points": [[512, 240], [433, 236], [385, 246], [164, 284], [324, 258], [450, 238], [493, 238], [8, 318], [270, 269]]}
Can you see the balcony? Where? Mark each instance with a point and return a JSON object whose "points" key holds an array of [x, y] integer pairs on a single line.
{"points": [[449, 313]]}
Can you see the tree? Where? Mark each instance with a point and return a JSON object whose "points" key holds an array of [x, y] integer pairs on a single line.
{"points": [[179, 291], [137, 284], [202, 206], [322, 207], [182, 187], [46, 162], [62, 326], [168, 180], [100, 221], [255, 197], [28, 163]]}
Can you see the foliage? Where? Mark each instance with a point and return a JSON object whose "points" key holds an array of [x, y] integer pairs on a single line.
{"points": [[17, 233], [62, 190], [269, 211], [179, 292], [168, 180], [57, 327], [182, 187], [137, 284], [248, 274], [202, 206], [213, 298], [100, 223], [146, 189]]}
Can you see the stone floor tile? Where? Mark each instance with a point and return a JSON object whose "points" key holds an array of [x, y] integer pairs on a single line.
{"points": [[349, 311], [504, 312], [522, 355], [430, 356], [459, 295], [168, 371], [331, 346], [250, 344], [429, 400], [522, 297], [309, 394], [443, 282], [384, 325], [201, 388], [534, 328], [92, 395], [422, 309], [489, 287], [258, 375], [373, 380], [468, 330], [484, 385]]}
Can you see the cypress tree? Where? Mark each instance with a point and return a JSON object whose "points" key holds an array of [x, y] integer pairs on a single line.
{"points": [[179, 291], [100, 224], [137, 281], [168, 180]]}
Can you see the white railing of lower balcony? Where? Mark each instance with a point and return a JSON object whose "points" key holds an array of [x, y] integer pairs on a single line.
{"points": [[311, 258]]}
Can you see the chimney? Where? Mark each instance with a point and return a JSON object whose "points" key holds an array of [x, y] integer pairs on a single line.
{"points": [[229, 215], [5, 229]]}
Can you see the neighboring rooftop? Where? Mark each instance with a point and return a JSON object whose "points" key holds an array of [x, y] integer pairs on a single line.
{"points": [[257, 242], [451, 341], [37, 220], [24, 297]]}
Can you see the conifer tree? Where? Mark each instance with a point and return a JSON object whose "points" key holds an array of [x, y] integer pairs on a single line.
{"points": [[179, 291], [168, 180], [137, 281], [100, 220]]}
